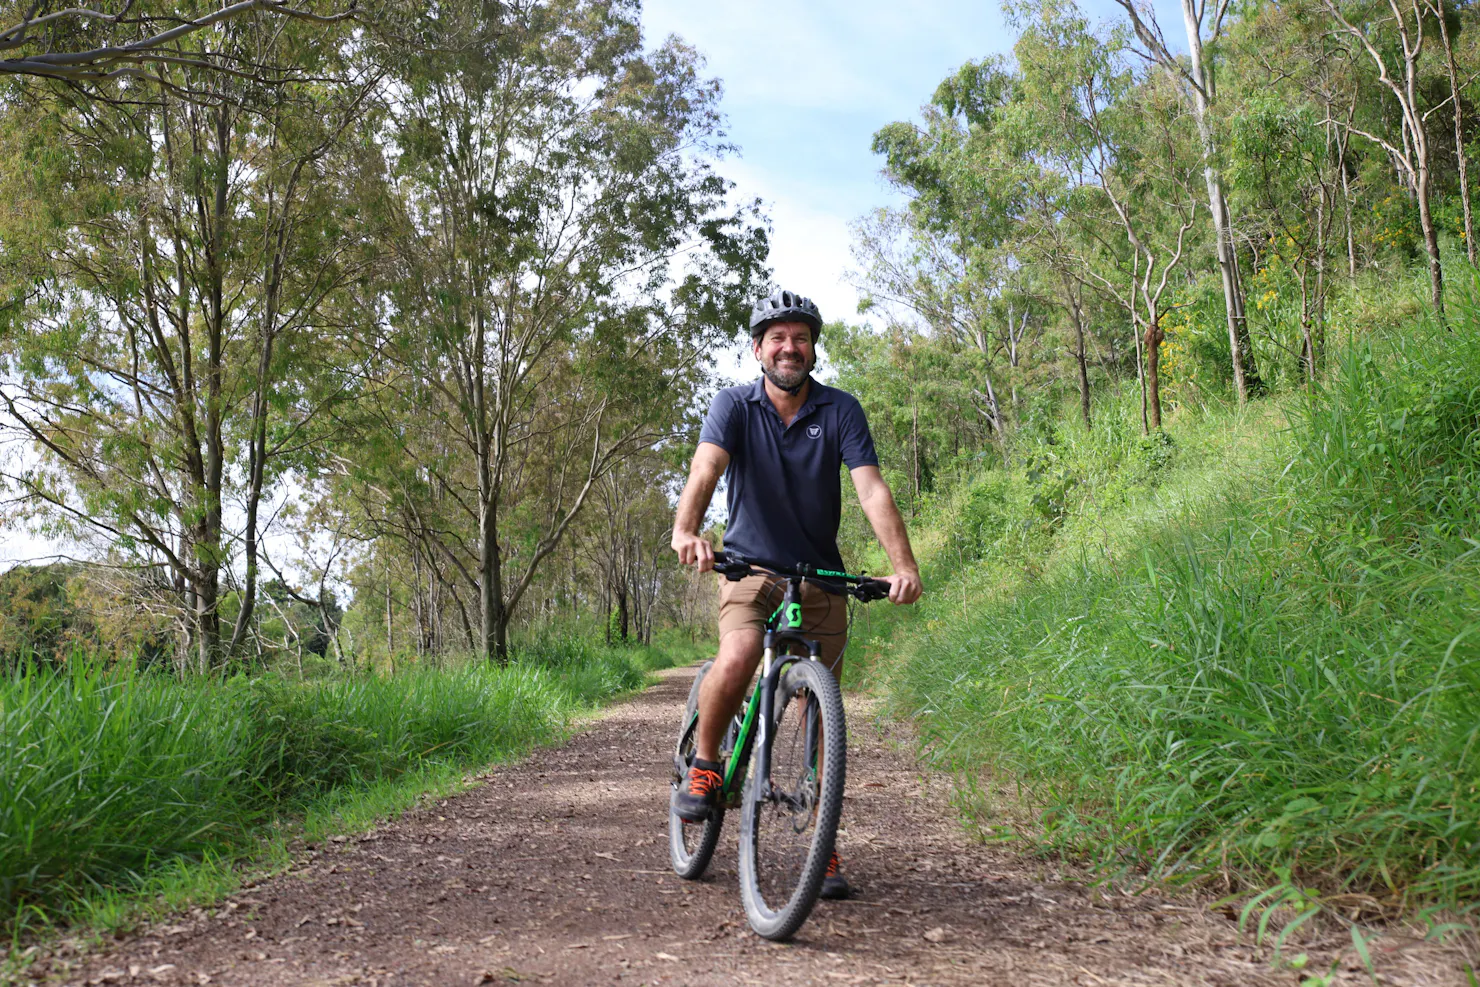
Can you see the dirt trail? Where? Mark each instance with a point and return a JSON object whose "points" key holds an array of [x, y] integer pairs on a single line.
{"points": [[556, 871]]}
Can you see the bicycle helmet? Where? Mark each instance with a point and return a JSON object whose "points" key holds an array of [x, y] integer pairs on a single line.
{"points": [[785, 306]]}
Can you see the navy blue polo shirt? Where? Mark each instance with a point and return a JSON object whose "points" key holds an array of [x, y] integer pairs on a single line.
{"points": [[785, 496]]}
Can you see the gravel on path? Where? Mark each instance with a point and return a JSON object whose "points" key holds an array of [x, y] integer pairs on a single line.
{"points": [[555, 871]]}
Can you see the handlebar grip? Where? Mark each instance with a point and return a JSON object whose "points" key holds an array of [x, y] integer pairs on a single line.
{"points": [[873, 589], [732, 567]]}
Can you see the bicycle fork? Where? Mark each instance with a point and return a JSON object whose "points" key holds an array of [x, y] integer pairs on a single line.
{"points": [[771, 672]]}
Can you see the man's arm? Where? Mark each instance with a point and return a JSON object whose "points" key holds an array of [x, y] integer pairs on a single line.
{"points": [[879, 507], [710, 463]]}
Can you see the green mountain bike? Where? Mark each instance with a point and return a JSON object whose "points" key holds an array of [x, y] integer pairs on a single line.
{"points": [[785, 757]]}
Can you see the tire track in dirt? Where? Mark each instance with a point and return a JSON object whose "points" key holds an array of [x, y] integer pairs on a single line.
{"points": [[555, 870]]}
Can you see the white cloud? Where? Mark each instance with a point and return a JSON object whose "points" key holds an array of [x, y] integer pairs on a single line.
{"points": [[809, 245]]}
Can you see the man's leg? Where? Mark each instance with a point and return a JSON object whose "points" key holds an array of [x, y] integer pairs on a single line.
{"points": [[725, 687], [741, 623], [720, 696]]}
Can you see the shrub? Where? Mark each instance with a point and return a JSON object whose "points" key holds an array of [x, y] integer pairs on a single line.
{"points": [[105, 774]]}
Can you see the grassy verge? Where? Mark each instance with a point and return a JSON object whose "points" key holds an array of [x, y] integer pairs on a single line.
{"points": [[123, 794], [1249, 655]]}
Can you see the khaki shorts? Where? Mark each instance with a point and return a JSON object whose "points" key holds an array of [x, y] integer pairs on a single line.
{"points": [[751, 601]]}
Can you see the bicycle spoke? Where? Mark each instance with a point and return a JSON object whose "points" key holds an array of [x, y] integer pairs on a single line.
{"points": [[786, 822], [786, 838]]}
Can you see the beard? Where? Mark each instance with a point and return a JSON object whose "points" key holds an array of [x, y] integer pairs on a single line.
{"points": [[787, 378]]}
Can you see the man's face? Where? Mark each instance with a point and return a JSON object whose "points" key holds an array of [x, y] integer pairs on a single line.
{"points": [[786, 353]]}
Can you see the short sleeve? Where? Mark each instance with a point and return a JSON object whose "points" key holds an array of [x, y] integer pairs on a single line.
{"points": [[722, 424], [854, 439]]}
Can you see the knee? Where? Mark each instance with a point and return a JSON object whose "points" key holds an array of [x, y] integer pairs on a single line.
{"points": [[739, 652]]}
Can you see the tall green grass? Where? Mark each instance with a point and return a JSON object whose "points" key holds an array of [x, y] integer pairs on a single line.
{"points": [[107, 777], [1254, 661]]}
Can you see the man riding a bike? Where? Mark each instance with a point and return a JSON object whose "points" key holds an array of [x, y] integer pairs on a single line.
{"points": [[779, 443]]}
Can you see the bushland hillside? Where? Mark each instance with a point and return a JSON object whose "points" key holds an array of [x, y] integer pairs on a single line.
{"points": [[1179, 385]]}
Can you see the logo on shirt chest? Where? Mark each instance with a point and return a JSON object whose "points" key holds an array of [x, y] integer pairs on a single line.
{"points": [[814, 431]]}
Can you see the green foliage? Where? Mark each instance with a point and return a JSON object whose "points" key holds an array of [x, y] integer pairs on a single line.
{"points": [[50, 614], [1248, 653], [105, 776], [36, 615]]}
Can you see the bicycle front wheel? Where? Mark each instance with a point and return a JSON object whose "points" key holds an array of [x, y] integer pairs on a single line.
{"points": [[787, 833], [690, 845]]}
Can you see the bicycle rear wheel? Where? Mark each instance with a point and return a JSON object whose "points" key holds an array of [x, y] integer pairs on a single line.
{"points": [[690, 845], [787, 834]]}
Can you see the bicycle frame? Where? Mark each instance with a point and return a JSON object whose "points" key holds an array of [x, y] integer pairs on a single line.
{"points": [[783, 629]]}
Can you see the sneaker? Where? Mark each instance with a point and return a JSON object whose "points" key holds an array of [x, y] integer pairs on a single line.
{"points": [[835, 886], [699, 795]]}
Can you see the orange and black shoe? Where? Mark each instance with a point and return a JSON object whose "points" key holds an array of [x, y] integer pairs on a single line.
{"points": [[835, 886], [699, 794]]}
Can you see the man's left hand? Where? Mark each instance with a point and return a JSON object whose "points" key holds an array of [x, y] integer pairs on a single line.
{"points": [[904, 587]]}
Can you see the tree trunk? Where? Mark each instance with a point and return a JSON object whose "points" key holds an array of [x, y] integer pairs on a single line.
{"points": [[209, 560], [390, 623], [1459, 134], [622, 615], [915, 455], [1141, 376], [1430, 232], [1245, 374], [1081, 354], [416, 607], [1346, 199], [1307, 339], [1081, 358], [1318, 308], [490, 585], [256, 470], [1154, 336], [208, 620]]}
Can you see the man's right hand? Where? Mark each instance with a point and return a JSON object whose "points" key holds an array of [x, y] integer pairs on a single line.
{"points": [[693, 550]]}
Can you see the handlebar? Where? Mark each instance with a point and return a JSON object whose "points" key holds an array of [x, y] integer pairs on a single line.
{"points": [[862, 588]]}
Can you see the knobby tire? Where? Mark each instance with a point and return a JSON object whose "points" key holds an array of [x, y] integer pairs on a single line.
{"points": [[785, 844], [691, 845]]}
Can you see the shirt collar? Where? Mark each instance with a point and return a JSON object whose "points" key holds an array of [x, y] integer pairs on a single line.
{"points": [[818, 394]]}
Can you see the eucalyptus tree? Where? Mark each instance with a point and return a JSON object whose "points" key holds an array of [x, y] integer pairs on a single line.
{"points": [[1124, 142], [1047, 238], [1033, 200], [168, 255], [948, 257], [1393, 37], [142, 41], [1447, 20], [930, 275], [626, 537], [566, 257], [1282, 164], [1194, 76], [920, 389]]}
